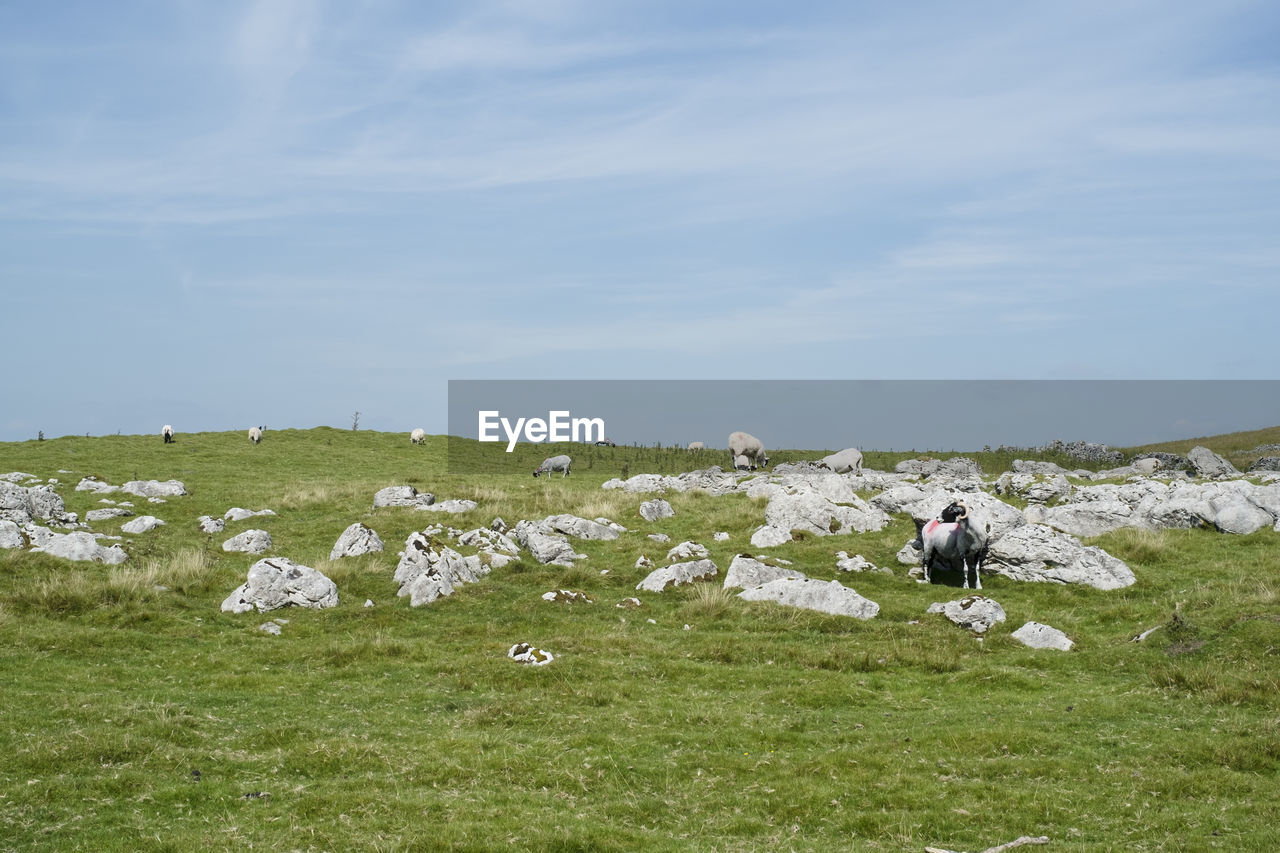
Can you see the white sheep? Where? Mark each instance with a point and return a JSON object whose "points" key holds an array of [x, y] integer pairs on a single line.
{"points": [[955, 535], [555, 463], [849, 459], [696, 445], [745, 444], [255, 434], [167, 432], [418, 436]]}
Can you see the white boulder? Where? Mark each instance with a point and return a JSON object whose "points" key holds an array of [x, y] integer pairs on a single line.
{"points": [[807, 594], [249, 542], [976, 613], [279, 582], [1039, 636], [141, 524], [677, 574], [354, 541]]}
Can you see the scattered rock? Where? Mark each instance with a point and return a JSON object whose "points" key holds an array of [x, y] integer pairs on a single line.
{"points": [[240, 514], [141, 524], [660, 537], [428, 570], [498, 525], [209, 524], [354, 541], [1210, 465], [678, 574], [1034, 552], [720, 536], [107, 513], [975, 613], [858, 563], [580, 528], [746, 572], [279, 582], [822, 596], [628, 603], [527, 654], [644, 562], [687, 551], [154, 488], [656, 509], [79, 546], [249, 542], [402, 496], [11, 535], [91, 484], [269, 628], [569, 596], [1039, 636], [454, 506]]}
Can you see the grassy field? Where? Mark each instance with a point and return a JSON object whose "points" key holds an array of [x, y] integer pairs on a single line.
{"points": [[134, 715]]}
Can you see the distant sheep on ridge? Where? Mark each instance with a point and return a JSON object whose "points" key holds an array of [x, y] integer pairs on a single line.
{"points": [[167, 432], [255, 434], [417, 436]]}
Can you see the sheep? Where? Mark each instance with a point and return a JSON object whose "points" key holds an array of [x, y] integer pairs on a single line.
{"points": [[167, 432], [555, 463], [955, 535], [849, 459], [741, 463], [418, 436], [745, 444], [696, 445], [255, 434]]}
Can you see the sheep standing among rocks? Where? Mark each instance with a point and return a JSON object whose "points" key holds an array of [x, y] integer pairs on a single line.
{"points": [[255, 434], [844, 462], [167, 432], [555, 463], [745, 444], [955, 535], [417, 436]]}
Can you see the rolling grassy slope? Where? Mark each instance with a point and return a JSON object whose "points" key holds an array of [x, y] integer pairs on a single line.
{"points": [[136, 715]]}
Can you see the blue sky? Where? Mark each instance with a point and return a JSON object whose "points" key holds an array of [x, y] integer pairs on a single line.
{"points": [[224, 214]]}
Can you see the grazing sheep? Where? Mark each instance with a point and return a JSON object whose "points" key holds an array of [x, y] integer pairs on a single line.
{"points": [[255, 434], [167, 432], [745, 444], [849, 459], [418, 436], [555, 463], [696, 445], [956, 535]]}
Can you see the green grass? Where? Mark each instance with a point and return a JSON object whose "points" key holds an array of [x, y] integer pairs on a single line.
{"points": [[136, 715]]}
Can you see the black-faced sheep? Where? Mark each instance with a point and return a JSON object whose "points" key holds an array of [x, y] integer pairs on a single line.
{"points": [[554, 463], [745, 444], [255, 434], [418, 436], [956, 534], [167, 432]]}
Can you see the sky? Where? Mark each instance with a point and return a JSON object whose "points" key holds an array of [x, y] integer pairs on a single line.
{"points": [[223, 214]]}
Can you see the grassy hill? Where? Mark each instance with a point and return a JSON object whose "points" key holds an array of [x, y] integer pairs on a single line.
{"points": [[137, 715]]}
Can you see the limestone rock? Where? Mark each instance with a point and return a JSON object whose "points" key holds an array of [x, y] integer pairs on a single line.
{"points": [[1092, 518], [354, 541], [279, 582], [581, 528], [569, 596], [822, 596], [21, 504], [428, 570], [1233, 513], [454, 505], [141, 524], [240, 513], [687, 551], [79, 546], [11, 535], [769, 536], [1039, 636], [270, 628], [858, 563], [209, 524], [107, 513], [527, 654], [976, 613], [677, 574], [720, 536], [1034, 552], [402, 496], [1210, 465], [92, 484], [746, 572], [154, 488], [249, 542], [660, 538], [656, 509]]}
